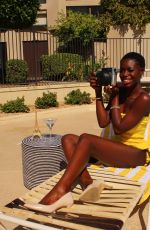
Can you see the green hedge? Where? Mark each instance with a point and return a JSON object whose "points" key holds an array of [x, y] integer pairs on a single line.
{"points": [[16, 71], [66, 65]]}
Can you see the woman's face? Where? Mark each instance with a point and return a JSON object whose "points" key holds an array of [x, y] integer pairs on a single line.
{"points": [[130, 72]]}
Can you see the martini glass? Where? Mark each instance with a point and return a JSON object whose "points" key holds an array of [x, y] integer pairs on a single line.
{"points": [[50, 123]]}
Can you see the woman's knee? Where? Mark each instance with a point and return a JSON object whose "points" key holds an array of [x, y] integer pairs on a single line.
{"points": [[65, 138], [85, 137], [68, 139]]}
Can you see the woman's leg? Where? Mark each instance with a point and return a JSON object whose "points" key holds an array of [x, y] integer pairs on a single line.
{"points": [[109, 152], [69, 143]]}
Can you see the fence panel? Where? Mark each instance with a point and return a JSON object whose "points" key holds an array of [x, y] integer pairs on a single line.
{"points": [[64, 62]]}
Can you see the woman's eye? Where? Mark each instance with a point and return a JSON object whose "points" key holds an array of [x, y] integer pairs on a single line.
{"points": [[130, 70], [124, 70]]}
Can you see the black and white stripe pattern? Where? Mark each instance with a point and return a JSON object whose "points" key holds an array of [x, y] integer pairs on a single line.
{"points": [[42, 158]]}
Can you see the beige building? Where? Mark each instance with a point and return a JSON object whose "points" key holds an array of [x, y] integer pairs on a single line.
{"points": [[49, 9]]}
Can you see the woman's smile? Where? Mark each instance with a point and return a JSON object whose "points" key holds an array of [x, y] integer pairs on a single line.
{"points": [[126, 81]]}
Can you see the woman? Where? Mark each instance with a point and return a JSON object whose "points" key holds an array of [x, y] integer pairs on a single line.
{"points": [[127, 111]]}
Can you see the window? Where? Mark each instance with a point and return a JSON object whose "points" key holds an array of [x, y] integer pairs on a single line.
{"points": [[41, 19], [95, 10], [42, 1]]}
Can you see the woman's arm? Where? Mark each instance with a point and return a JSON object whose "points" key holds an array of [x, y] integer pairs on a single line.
{"points": [[139, 108], [101, 112]]}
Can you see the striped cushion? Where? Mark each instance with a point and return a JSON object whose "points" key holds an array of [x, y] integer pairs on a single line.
{"points": [[139, 173]]}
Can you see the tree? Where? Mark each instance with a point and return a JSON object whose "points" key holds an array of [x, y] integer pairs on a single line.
{"points": [[126, 13], [18, 14], [77, 25]]}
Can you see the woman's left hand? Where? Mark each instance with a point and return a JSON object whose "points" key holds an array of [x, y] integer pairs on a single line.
{"points": [[115, 90]]}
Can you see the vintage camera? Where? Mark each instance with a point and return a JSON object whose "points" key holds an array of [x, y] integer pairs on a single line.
{"points": [[106, 76]]}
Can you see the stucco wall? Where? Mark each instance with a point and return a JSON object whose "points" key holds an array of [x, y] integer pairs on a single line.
{"points": [[115, 33], [30, 93]]}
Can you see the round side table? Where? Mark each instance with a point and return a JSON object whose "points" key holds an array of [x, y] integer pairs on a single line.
{"points": [[41, 158]]}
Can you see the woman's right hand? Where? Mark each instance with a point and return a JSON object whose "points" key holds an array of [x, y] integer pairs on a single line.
{"points": [[93, 82]]}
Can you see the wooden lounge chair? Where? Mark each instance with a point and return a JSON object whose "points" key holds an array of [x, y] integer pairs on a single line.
{"points": [[110, 212]]}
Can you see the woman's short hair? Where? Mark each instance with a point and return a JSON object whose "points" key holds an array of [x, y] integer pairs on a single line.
{"points": [[137, 57]]}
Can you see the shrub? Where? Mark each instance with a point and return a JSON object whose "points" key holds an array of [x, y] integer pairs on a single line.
{"points": [[47, 100], [16, 71], [15, 106], [77, 97], [61, 64]]}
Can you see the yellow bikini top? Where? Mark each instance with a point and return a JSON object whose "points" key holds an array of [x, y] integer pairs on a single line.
{"points": [[138, 136]]}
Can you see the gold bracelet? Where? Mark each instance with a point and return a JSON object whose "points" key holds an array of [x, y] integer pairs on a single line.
{"points": [[115, 107]]}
